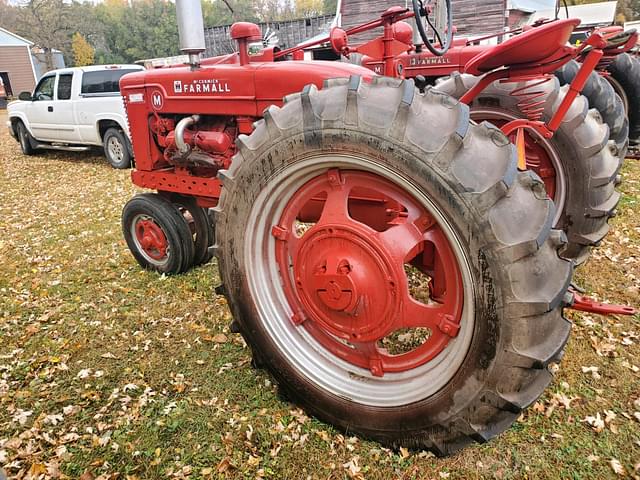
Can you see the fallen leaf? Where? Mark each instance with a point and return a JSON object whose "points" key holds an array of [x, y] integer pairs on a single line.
{"points": [[219, 338], [353, 469], [617, 467], [37, 469], [594, 372], [225, 465], [595, 422], [21, 416]]}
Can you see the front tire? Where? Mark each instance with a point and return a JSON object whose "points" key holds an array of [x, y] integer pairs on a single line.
{"points": [[25, 139], [116, 149], [200, 226], [362, 188], [157, 234]]}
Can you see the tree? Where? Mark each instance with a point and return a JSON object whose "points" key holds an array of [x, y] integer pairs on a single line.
{"points": [[48, 24], [628, 10], [330, 7], [143, 30], [225, 12], [8, 15], [309, 8], [82, 51]]}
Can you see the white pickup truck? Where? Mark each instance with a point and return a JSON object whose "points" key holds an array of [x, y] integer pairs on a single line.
{"points": [[74, 109]]}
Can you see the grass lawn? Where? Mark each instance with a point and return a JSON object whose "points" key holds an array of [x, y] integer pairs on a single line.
{"points": [[113, 372]]}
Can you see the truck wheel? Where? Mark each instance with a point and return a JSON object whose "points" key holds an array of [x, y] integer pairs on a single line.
{"points": [[25, 139], [157, 234], [200, 226], [578, 165], [386, 262], [602, 96], [115, 149], [625, 76]]}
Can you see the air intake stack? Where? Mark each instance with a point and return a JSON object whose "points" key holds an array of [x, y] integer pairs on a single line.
{"points": [[190, 29]]}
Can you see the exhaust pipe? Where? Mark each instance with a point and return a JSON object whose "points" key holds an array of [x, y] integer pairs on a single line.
{"points": [[183, 147], [190, 29]]}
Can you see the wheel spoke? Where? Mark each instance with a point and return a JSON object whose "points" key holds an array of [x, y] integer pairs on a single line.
{"points": [[288, 237], [417, 314], [335, 208], [374, 356], [405, 240]]}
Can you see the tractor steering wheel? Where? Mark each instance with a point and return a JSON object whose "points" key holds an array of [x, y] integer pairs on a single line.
{"points": [[424, 9]]}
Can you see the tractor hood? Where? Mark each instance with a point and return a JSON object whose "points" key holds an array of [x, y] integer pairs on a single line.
{"points": [[229, 89]]}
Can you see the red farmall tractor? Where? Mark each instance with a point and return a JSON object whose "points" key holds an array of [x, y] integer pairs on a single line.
{"points": [[618, 71], [390, 261], [580, 139]]}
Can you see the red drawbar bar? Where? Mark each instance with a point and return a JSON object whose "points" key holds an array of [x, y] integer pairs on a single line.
{"points": [[587, 304]]}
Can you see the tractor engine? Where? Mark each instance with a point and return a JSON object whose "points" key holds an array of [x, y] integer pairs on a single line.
{"points": [[195, 141]]}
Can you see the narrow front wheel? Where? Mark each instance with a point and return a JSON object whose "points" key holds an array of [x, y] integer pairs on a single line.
{"points": [[157, 234]]}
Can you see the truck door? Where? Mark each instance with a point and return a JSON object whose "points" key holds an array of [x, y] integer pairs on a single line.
{"points": [[40, 112], [64, 110]]}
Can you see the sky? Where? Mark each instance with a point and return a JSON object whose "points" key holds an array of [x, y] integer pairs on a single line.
{"points": [[533, 4]]}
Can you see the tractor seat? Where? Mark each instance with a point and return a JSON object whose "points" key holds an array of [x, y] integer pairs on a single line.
{"points": [[536, 47], [622, 39]]}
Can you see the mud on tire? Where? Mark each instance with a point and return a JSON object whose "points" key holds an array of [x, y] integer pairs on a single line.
{"points": [[497, 220], [587, 166]]}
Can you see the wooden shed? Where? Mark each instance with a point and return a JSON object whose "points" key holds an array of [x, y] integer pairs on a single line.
{"points": [[21, 63], [470, 17], [16, 64]]}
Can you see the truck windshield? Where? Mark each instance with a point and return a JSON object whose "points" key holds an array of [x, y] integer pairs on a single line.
{"points": [[103, 81]]}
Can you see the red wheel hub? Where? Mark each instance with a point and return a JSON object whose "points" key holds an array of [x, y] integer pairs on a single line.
{"points": [[345, 278], [336, 269], [151, 238]]}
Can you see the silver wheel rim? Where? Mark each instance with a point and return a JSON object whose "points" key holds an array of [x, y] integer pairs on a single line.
{"points": [[312, 360], [561, 177], [115, 149], [132, 230]]}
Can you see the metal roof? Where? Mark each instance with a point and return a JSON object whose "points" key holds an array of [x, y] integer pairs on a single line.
{"points": [[603, 13], [16, 39], [530, 5]]}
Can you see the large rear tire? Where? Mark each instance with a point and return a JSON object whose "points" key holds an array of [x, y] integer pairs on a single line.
{"points": [[625, 70], [314, 278], [578, 164], [603, 97]]}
